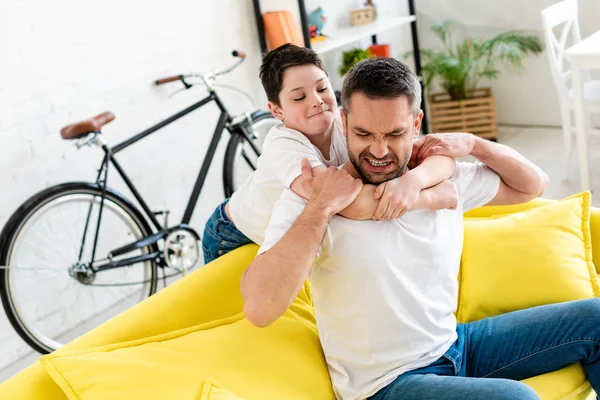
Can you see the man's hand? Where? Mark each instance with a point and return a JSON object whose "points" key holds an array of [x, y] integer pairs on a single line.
{"points": [[442, 196], [333, 190], [396, 197], [442, 144]]}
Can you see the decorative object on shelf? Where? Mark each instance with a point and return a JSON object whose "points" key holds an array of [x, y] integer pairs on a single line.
{"points": [[459, 68], [351, 57], [280, 28], [475, 114], [316, 22], [362, 16], [369, 3], [380, 50]]}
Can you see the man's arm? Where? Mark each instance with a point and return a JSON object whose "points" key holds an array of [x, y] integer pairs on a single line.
{"points": [[393, 198], [274, 279], [521, 180]]}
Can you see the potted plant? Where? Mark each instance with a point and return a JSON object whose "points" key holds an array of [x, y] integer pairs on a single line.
{"points": [[464, 106], [351, 57]]}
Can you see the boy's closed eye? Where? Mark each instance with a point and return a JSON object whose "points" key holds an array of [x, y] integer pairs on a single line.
{"points": [[322, 90]]}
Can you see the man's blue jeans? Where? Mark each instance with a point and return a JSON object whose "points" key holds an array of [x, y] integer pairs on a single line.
{"points": [[490, 356]]}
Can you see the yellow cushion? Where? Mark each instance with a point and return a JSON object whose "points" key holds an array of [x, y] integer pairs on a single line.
{"points": [[282, 361], [567, 383], [534, 257], [213, 391]]}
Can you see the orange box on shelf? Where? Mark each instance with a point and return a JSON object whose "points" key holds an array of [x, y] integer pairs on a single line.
{"points": [[380, 50], [280, 28]]}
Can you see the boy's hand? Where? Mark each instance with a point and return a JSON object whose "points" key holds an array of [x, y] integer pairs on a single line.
{"points": [[397, 196], [444, 195]]}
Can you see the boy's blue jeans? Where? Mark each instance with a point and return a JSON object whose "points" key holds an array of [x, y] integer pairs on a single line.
{"points": [[490, 356], [221, 235]]}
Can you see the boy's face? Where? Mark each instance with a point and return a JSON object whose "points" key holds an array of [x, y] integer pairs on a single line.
{"points": [[379, 135], [307, 101]]}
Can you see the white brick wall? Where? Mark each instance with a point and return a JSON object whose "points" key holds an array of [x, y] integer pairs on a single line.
{"points": [[66, 60]]}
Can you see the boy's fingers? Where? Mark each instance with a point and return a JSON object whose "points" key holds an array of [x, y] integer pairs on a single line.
{"points": [[381, 209], [379, 191]]}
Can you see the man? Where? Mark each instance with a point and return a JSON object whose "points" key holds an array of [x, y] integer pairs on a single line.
{"points": [[385, 291]]}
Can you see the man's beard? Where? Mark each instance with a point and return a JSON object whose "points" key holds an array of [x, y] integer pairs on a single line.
{"points": [[375, 178]]}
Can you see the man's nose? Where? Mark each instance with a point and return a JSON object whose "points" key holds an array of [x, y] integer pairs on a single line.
{"points": [[380, 148]]}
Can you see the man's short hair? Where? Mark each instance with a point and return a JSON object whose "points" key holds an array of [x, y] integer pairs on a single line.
{"points": [[278, 60], [381, 78]]}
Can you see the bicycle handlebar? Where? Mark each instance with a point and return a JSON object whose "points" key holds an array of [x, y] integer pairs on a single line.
{"points": [[235, 53], [168, 79]]}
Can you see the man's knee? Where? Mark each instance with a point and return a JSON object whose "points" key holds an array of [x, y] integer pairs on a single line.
{"points": [[509, 390], [588, 308]]}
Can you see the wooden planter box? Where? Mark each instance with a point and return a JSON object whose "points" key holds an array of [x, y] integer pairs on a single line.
{"points": [[476, 114]]}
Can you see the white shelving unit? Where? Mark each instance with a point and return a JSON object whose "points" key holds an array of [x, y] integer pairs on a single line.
{"points": [[344, 36]]}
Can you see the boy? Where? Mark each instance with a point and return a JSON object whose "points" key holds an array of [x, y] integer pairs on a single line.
{"points": [[301, 96]]}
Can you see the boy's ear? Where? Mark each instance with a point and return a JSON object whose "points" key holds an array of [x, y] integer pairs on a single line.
{"points": [[275, 110]]}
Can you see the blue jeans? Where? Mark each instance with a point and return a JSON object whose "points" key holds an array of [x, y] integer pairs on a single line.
{"points": [[490, 356], [221, 235]]}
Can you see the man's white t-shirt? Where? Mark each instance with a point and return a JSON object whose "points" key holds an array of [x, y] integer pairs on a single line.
{"points": [[279, 164], [385, 292]]}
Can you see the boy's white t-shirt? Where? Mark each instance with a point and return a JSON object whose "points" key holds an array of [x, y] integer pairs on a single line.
{"points": [[278, 166], [385, 292]]}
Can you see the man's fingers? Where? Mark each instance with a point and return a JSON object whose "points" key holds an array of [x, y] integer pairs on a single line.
{"points": [[433, 151], [306, 168]]}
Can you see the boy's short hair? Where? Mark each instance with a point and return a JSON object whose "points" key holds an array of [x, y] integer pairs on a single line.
{"points": [[278, 60], [381, 78]]}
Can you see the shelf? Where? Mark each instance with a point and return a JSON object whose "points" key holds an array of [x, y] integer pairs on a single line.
{"points": [[351, 34]]}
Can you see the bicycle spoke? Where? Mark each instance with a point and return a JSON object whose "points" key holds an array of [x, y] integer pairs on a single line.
{"points": [[68, 298]]}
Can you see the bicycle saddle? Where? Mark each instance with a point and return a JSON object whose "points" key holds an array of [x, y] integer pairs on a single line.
{"points": [[90, 125]]}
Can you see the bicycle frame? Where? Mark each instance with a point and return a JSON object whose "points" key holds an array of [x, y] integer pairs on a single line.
{"points": [[224, 122]]}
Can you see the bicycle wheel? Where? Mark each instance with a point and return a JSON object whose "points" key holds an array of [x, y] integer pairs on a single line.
{"points": [[47, 298], [240, 158]]}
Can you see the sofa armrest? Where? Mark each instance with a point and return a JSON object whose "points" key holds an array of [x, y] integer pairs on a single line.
{"points": [[210, 293]]}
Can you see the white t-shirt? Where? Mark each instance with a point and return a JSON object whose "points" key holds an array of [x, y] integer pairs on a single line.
{"points": [[279, 164], [385, 291]]}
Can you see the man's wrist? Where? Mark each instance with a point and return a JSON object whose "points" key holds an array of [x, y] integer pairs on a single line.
{"points": [[480, 149], [319, 211]]}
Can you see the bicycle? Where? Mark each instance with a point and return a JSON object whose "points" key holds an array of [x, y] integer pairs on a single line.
{"points": [[102, 250]]}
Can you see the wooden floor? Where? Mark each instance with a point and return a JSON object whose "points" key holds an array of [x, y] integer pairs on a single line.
{"points": [[544, 146]]}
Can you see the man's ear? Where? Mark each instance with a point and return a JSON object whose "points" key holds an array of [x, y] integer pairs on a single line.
{"points": [[418, 122], [275, 110], [344, 122]]}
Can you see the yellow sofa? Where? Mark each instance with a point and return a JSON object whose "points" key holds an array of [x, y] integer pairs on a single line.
{"points": [[191, 341]]}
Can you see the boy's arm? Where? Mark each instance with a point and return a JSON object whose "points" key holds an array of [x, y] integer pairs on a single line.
{"points": [[400, 195], [393, 198]]}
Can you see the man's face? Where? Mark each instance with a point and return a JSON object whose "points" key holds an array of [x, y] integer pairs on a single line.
{"points": [[307, 101], [379, 134]]}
